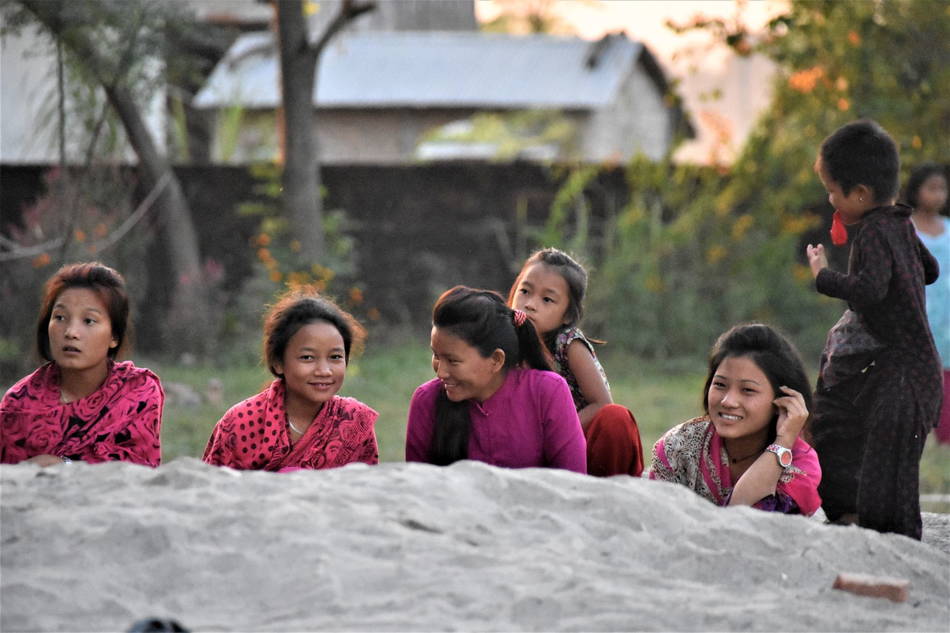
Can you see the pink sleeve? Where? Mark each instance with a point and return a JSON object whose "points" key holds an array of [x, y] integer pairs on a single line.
{"points": [[564, 443], [421, 422], [802, 479]]}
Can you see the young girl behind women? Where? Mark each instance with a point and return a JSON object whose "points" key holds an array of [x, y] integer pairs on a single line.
{"points": [[550, 290], [299, 421], [82, 404], [926, 192], [747, 449], [492, 399], [879, 382]]}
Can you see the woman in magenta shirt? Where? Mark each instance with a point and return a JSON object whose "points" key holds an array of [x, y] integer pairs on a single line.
{"points": [[493, 399]]}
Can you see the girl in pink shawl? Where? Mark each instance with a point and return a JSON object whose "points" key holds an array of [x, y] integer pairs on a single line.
{"points": [[747, 449], [299, 421], [82, 404]]}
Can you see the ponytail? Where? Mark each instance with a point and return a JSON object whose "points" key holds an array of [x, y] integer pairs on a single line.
{"points": [[530, 347]]}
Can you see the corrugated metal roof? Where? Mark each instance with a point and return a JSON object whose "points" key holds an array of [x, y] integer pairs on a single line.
{"points": [[431, 70]]}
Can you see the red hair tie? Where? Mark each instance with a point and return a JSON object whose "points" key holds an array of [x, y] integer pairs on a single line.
{"points": [[519, 317], [839, 234]]}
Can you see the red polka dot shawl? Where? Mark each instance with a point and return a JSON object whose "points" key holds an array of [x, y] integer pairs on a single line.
{"points": [[120, 421], [253, 435]]}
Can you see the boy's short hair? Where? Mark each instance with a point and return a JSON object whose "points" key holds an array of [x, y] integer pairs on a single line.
{"points": [[862, 153]]}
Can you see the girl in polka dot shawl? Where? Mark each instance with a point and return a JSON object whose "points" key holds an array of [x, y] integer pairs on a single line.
{"points": [[299, 421]]}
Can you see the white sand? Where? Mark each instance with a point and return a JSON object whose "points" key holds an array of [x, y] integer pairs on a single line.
{"points": [[414, 547]]}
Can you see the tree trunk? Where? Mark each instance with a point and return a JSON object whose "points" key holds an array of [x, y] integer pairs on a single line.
{"points": [[302, 203], [189, 309]]}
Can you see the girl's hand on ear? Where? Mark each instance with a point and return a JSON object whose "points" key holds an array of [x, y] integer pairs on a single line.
{"points": [[792, 415], [816, 258]]}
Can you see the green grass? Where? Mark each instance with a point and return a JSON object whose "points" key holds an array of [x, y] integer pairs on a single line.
{"points": [[385, 378]]}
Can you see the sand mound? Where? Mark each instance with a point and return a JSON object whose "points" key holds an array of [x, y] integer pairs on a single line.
{"points": [[415, 547]]}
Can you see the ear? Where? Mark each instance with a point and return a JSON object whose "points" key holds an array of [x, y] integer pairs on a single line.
{"points": [[113, 344], [278, 369], [864, 192], [497, 359]]}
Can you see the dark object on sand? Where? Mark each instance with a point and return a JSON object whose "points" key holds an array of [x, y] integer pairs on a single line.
{"points": [[157, 625]]}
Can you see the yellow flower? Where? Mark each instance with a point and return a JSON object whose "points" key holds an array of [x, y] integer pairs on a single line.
{"points": [[715, 253], [742, 226], [916, 143]]}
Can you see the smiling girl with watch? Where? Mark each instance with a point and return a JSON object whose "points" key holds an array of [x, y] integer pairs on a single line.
{"points": [[747, 449]]}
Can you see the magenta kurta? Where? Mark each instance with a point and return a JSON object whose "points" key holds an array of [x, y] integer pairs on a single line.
{"points": [[530, 421], [253, 435], [120, 421]]}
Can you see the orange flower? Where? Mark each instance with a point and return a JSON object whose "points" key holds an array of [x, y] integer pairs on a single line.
{"points": [[101, 230], [854, 38], [916, 143], [275, 276], [79, 235], [356, 295], [264, 255], [263, 239], [373, 314], [843, 104], [804, 81], [41, 260]]}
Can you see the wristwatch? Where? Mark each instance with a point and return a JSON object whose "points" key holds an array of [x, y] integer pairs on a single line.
{"points": [[782, 454]]}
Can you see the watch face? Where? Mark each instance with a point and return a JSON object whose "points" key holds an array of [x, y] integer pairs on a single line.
{"points": [[785, 458]]}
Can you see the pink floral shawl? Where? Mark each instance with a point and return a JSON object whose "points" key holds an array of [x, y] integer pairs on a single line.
{"points": [[693, 454], [253, 435], [120, 421]]}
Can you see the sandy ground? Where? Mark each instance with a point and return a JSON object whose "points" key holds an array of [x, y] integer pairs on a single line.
{"points": [[413, 547]]}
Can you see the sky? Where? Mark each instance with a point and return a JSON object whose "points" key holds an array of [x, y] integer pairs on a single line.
{"points": [[701, 65]]}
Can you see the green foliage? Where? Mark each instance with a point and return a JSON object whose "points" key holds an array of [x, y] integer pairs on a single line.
{"points": [[280, 265], [695, 250]]}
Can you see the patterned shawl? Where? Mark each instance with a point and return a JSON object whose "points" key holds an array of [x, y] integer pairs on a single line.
{"points": [[120, 421], [693, 454], [253, 435]]}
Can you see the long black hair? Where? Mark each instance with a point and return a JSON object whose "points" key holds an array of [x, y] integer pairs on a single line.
{"points": [[481, 319]]}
